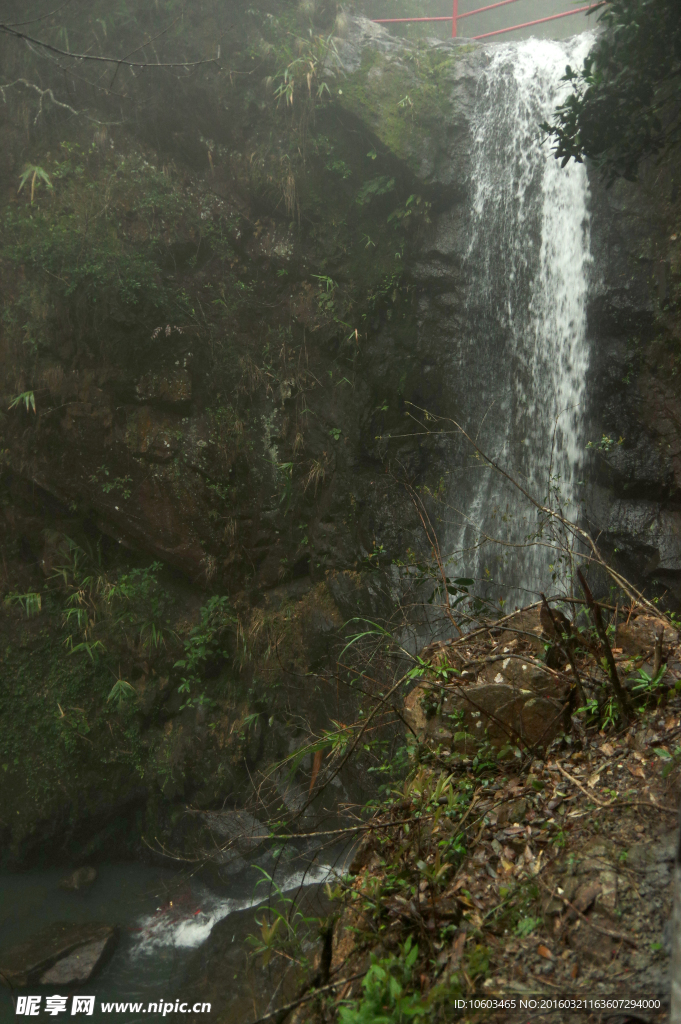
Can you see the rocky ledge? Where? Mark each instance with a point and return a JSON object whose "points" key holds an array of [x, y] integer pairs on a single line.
{"points": [[59, 955]]}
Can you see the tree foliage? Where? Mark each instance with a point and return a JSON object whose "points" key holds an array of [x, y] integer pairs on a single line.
{"points": [[626, 99]]}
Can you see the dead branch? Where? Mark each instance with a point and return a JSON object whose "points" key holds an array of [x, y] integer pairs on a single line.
{"points": [[620, 694], [106, 60], [567, 651], [620, 936], [306, 998], [43, 93]]}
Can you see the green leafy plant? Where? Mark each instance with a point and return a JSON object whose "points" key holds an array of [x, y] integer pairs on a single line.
{"points": [[624, 103], [387, 998], [606, 444], [31, 603], [121, 693], [416, 208], [104, 611], [26, 398], [373, 188], [37, 175], [284, 929], [204, 644], [302, 75], [645, 684], [526, 925], [108, 486], [339, 167]]}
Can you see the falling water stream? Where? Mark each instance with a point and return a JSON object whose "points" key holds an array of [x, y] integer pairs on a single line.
{"points": [[523, 358]]}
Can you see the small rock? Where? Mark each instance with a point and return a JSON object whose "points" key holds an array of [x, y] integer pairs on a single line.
{"points": [[58, 955], [513, 811], [80, 965], [586, 894], [80, 879]]}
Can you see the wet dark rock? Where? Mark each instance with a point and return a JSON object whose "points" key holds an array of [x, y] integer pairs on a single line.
{"points": [[81, 878], [61, 954]]}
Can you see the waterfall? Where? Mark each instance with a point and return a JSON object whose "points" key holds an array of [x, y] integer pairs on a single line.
{"points": [[523, 357]]}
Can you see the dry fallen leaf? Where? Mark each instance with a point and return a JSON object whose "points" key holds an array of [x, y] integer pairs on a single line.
{"points": [[637, 771], [575, 971], [593, 780], [457, 949], [545, 952], [607, 749]]}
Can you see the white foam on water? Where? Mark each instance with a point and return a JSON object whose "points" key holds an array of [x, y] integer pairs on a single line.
{"points": [[187, 922]]}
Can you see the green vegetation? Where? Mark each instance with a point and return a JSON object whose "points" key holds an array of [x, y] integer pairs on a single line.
{"points": [[401, 98], [37, 176], [204, 644], [625, 100], [27, 399], [80, 240], [386, 992]]}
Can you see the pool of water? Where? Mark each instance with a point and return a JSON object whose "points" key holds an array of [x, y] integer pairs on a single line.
{"points": [[163, 916]]}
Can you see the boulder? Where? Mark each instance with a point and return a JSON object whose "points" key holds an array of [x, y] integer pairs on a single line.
{"points": [[525, 627], [515, 671], [80, 965], [61, 954], [235, 835], [81, 878], [639, 634], [239, 828], [492, 712]]}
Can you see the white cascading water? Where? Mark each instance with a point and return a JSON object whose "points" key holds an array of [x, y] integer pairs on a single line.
{"points": [[524, 355], [187, 922]]}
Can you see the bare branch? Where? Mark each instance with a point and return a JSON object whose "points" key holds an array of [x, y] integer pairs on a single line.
{"points": [[20, 24], [620, 693], [105, 60], [42, 93]]}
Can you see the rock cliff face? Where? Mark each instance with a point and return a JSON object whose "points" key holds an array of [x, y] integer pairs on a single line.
{"points": [[634, 327], [214, 327], [208, 331]]}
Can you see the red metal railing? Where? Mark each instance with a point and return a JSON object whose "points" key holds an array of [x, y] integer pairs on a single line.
{"points": [[455, 17]]}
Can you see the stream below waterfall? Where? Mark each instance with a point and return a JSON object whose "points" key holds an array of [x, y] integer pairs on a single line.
{"points": [[164, 916]]}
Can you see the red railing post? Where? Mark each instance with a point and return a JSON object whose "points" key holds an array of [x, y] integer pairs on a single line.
{"points": [[455, 16]]}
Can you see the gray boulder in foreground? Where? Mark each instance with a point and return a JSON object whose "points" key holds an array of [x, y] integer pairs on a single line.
{"points": [[61, 954]]}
